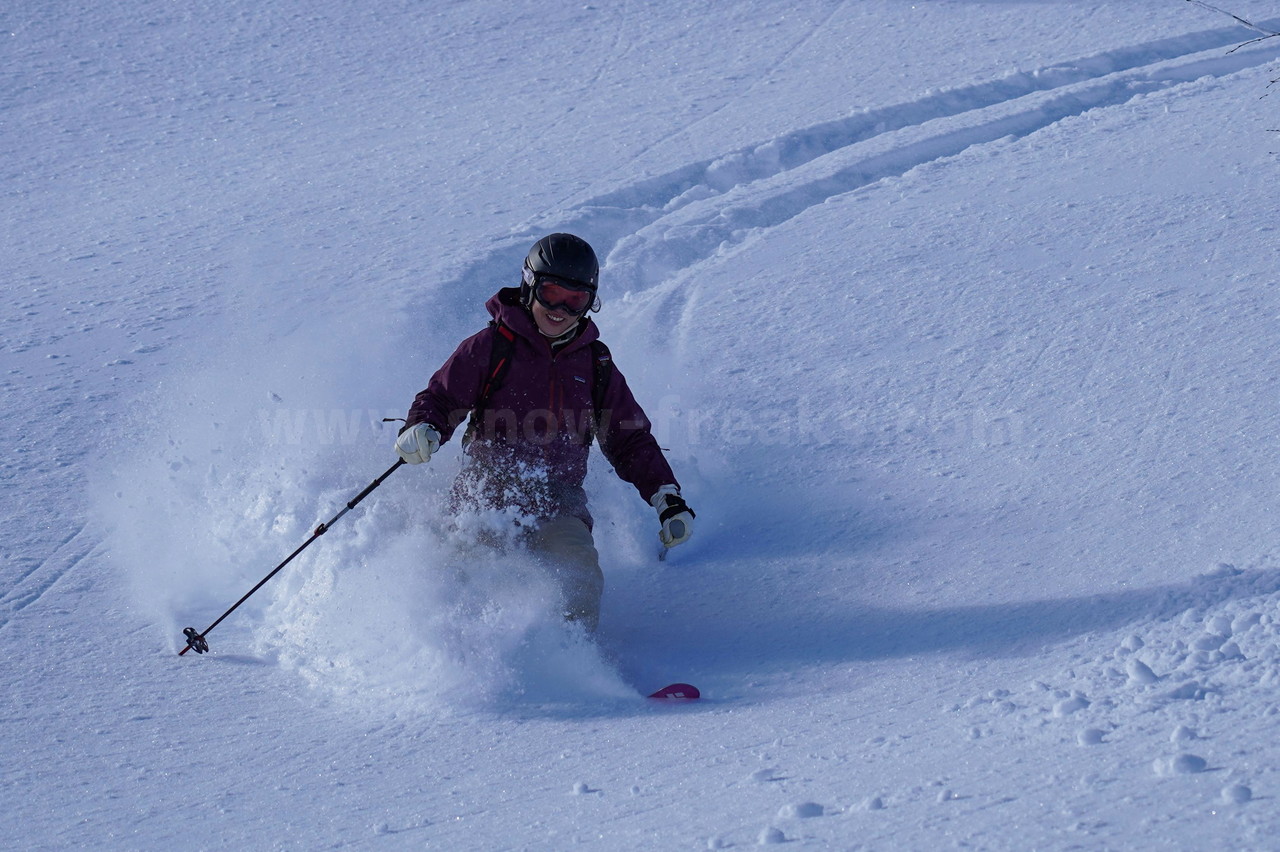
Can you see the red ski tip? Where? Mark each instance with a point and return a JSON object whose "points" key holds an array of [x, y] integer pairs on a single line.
{"points": [[678, 692]]}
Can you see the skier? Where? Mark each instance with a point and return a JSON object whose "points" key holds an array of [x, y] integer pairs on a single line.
{"points": [[537, 386]]}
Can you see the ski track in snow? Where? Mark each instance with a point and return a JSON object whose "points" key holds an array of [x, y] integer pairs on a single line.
{"points": [[656, 229], [30, 585], [1183, 661]]}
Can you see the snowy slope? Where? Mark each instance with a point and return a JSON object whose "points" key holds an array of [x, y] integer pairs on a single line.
{"points": [[959, 321]]}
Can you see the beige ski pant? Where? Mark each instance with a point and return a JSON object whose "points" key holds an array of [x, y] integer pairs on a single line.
{"points": [[564, 545]]}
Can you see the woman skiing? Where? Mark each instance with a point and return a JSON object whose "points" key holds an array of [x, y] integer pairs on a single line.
{"points": [[535, 388]]}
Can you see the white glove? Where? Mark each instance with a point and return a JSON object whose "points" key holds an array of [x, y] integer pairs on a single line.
{"points": [[416, 444], [676, 517]]}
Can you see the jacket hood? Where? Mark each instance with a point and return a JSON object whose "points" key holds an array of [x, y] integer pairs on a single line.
{"points": [[504, 306]]}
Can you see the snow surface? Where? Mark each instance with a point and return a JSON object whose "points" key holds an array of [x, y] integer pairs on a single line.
{"points": [[959, 320]]}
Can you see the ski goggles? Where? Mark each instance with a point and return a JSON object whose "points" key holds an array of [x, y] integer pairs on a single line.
{"points": [[558, 294]]}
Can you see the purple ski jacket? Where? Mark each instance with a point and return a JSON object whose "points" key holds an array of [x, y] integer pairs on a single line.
{"points": [[530, 446]]}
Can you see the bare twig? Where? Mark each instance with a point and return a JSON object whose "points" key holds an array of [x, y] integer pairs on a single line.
{"points": [[1266, 34], [1252, 41]]}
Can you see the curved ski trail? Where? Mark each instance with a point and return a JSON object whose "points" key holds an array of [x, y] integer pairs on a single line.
{"points": [[658, 227]]}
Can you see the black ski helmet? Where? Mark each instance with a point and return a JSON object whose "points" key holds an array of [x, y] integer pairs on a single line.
{"points": [[564, 256]]}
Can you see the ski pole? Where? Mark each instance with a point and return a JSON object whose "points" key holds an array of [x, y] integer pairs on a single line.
{"points": [[196, 641]]}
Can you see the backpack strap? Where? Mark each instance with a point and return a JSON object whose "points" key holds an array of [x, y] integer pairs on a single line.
{"points": [[504, 346]]}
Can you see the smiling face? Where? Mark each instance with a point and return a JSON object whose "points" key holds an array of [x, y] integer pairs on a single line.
{"points": [[552, 323]]}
